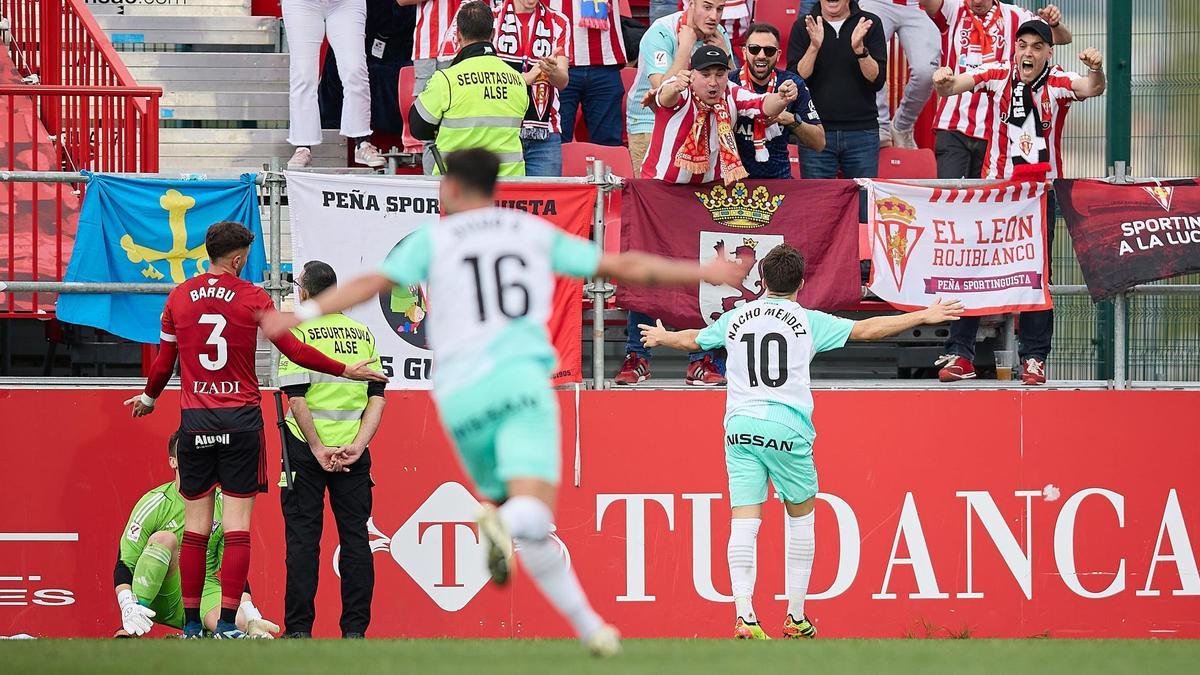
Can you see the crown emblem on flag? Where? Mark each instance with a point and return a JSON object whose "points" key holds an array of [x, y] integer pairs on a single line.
{"points": [[898, 209], [739, 207]]}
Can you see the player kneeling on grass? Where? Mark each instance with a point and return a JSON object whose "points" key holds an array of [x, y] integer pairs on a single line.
{"points": [[768, 418], [147, 573]]}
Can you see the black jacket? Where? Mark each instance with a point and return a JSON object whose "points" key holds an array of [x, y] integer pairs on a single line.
{"points": [[845, 100]]}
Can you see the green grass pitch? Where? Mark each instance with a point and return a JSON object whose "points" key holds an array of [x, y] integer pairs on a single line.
{"points": [[565, 657]]}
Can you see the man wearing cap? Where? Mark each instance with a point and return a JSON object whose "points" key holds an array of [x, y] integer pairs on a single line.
{"points": [[693, 143], [976, 33], [1029, 100], [664, 51]]}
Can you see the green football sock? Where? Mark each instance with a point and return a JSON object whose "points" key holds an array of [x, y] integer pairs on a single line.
{"points": [[150, 571]]}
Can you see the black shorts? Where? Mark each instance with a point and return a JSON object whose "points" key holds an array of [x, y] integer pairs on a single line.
{"points": [[235, 460]]}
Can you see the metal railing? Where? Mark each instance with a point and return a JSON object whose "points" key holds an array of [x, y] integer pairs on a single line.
{"points": [[273, 184], [80, 91]]}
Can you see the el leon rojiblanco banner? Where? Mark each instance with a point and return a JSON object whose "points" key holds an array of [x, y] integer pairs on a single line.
{"points": [[984, 246]]}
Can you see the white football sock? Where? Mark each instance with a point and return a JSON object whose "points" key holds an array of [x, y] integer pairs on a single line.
{"points": [[526, 517], [742, 552], [801, 548], [544, 561], [529, 523]]}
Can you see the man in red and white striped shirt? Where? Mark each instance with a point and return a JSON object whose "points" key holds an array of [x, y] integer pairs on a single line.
{"points": [[1028, 103], [693, 138], [976, 33], [596, 57]]}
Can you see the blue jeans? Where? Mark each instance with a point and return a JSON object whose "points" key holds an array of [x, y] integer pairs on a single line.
{"points": [[543, 158], [661, 8], [633, 342], [1035, 329], [599, 90], [856, 153]]}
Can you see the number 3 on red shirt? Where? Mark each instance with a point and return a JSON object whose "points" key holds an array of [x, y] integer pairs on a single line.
{"points": [[214, 338]]}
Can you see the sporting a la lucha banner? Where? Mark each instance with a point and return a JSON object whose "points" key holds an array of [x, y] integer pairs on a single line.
{"points": [[985, 246], [1125, 235], [354, 222]]}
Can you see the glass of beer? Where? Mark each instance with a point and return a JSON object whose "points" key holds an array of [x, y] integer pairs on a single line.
{"points": [[1005, 362]]}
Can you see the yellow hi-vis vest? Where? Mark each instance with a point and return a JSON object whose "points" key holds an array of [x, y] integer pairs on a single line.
{"points": [[478, 102], [336, 403]]}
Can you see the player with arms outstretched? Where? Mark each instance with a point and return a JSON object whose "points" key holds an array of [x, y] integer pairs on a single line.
{"points": [[491, 278], [768, 418], [210, 323], [147, 573]]}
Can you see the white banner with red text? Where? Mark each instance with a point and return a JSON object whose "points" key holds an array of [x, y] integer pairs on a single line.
{"points": [[1032, 527], [984, 246], [353, 222]]}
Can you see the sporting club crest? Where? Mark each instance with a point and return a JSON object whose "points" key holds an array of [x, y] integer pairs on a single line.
{"points": [[1161, 195], [894, 226]]}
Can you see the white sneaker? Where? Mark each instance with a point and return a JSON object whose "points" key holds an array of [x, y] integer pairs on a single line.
{"points": [[885, 136], [301, 158], [903, 138], [605, 642], [369, 155]]}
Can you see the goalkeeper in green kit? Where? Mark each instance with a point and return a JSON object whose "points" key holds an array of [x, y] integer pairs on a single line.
{"points": [[147, 572]]}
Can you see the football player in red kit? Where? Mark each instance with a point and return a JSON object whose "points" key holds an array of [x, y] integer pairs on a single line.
{"points": [[210, 323]]}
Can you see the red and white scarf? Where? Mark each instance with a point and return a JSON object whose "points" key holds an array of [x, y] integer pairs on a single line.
{"points": [[513, 42], [979, 38], [694, 154], [761, 123]]}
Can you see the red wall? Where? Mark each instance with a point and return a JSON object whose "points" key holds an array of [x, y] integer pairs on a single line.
{"points": [[1125, 463]]}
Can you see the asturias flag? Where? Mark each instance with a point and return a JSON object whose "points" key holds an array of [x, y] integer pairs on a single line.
{"points": [[138, 230]]}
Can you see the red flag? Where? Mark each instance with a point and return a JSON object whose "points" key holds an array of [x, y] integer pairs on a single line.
{"points": [[570, 208], [1125, 235], [744, 221]]}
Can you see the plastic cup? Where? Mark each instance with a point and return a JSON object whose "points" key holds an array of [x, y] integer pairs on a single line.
{"points": [[1005, 362]]}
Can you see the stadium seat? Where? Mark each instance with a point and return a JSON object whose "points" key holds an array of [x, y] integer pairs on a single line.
{"points": [[406, 100], [782, 15], [905, 163], [576, 159]]}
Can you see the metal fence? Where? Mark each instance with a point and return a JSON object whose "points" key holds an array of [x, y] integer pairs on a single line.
{"points": [[1156, 328]]}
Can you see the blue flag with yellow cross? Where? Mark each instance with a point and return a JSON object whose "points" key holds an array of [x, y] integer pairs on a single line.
{"points": [[140, 230]]}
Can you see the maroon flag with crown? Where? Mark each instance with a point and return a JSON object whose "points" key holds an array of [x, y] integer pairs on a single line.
{"points": [[1125, 235], [743, 221]]}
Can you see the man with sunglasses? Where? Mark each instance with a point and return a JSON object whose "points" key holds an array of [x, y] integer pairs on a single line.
{"points": [[763, 143]]}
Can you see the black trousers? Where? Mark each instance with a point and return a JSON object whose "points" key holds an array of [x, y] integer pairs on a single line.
{"points": [[303, 517], [959, 155]]}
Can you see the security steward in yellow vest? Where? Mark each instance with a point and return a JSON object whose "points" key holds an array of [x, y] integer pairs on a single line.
{"points": [[328, 428], [478, 102]]}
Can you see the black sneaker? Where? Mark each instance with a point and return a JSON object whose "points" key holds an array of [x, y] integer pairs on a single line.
{"points": [[297, 635], [353, 636]]}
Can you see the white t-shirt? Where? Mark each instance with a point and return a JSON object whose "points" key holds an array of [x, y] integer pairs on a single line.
{"points": [[770, 343]]}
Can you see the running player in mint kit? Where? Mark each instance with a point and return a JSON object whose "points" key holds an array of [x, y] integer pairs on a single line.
{"points": [[210, 323], [769, 432], [491, 276]]}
